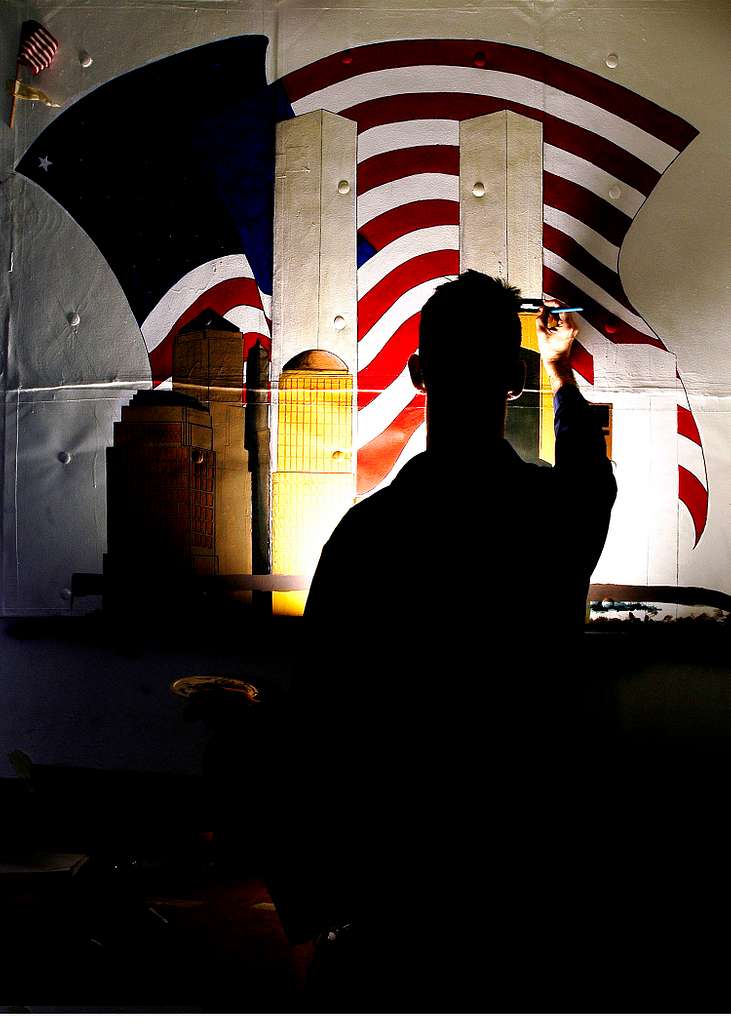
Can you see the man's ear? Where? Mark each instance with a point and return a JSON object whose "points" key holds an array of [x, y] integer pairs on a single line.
{"points": [[516, 381], [417, 375]]}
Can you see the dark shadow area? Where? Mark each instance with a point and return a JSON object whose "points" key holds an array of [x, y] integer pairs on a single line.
{"points": [[140, 889], [165, 907], [167, 930]]}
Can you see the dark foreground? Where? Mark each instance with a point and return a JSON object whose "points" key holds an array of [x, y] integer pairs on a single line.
{"points": [[167, 909]]}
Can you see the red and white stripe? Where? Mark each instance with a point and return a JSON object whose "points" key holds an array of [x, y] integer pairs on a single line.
{"points": [[408, 99], [692, 471], [225, 285], [37, 46]]}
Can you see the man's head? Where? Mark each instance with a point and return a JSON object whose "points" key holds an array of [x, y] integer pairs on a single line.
{"points": [[469, 348]]}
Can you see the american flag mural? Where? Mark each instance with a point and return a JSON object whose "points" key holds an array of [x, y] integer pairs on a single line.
{"points": [[228, 286], [605, 149]]}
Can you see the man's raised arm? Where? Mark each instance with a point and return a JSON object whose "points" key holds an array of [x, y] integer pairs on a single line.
{"points": [[583, 470]]}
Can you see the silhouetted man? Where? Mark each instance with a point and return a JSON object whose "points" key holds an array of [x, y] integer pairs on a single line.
{"points": [[439, 834]]}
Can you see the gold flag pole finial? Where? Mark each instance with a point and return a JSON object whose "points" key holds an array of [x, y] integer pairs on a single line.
{"points": [[21, 91]]}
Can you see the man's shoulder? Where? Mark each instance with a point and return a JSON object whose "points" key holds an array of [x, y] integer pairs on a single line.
{"points": [[415, 489], [377, 515], [369, 511]]}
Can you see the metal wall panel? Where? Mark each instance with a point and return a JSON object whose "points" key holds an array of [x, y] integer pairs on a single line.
{"points": [[501, 198]]}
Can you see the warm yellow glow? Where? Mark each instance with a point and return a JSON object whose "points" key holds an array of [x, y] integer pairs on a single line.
{"points": [[547, 444], [289, 602], [313, 486], [315, 421], [607, 431], [528, 335], [306, 508], [547, 441]]}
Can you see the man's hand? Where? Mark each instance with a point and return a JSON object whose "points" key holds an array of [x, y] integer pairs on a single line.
{"points": [[554, 343]]}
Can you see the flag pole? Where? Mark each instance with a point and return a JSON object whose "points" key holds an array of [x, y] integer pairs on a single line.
{"points": [[15, 94]]}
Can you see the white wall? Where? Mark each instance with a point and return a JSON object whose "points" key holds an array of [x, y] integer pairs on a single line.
{"points": [[674, 265]]}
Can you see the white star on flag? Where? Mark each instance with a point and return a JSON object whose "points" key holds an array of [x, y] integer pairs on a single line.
{"points": [[44, 162]]}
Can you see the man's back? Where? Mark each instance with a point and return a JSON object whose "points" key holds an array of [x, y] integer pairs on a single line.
{"points": [[454, 578], [438, 709], [436, 722]]}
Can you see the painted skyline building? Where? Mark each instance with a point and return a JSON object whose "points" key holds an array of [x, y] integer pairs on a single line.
{"points": [[208, 365], [178, 482], [161, 485], [309, 480]]}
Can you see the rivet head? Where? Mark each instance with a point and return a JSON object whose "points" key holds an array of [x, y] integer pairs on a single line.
{"points": [[347, 57], [343, 187], [64, 458], [197, 456], [478, 189], [85, 59], [611, 60], [479, 60], [615, 192], [65, 594], [337, 455], [74, 319], [339, 323], [610, 327]]}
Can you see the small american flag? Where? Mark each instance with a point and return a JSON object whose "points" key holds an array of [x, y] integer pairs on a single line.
{"points": [[37, 46]]}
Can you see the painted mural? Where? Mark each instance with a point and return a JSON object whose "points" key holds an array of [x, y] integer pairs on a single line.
{"points": [[241, 457]]}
